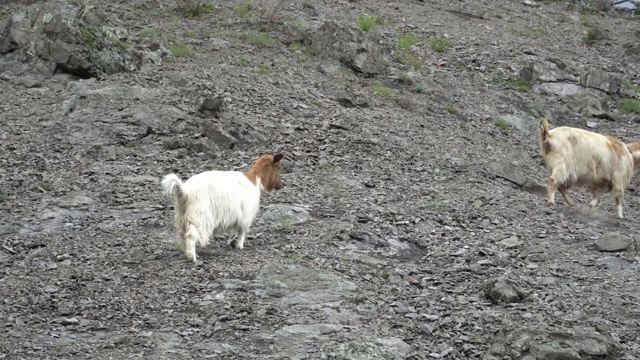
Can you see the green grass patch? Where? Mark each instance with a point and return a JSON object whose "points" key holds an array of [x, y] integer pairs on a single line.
{"points": [[502, 124], [181, 50], [262, 40], [450, 107], [382, 90], [629, 106], [594, 34], [146, 32], [439, 44], [264, 71], [520, 85], [366, 22], [406, 41]]}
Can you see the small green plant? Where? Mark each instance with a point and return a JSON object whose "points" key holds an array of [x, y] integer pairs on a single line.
{"points": [[264, 71], [458, 66], [594, 34], [194, 8], [263, 40], [520, 85], [133, 144], [146, 32], [3, 198], [302, 26], [285, 224], [407, 80], [366, 22], [449, 107], [45, 186], [294, 258], [325, 165], [189, 33], [242, 61], [628, 84], [385, 273], [207, 34], [628, 105], [87, 37], [381, 90], [412, 58], [175, 23], [498, 15], [482, 12], [502, 124], [435, 207], [406, 41], [439, 44], [419, 89], [180, 49], [585, 20], [476, 336], [245, 8]]}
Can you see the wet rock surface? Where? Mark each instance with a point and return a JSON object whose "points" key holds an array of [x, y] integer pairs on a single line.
{"points": [[412, 223]]}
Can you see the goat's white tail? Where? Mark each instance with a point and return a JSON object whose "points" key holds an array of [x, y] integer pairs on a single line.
{"points": [[172, 185]]}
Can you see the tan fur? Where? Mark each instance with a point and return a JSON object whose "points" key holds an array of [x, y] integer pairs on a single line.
{"points": [[267, 168], [580, 158]]}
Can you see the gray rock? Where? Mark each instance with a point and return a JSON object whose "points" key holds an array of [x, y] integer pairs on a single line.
{"points": [[215, 132], [350, 46], [612, 242], [506, 171], [300, 285], [85, 45], [559, 89], [553, 343], [510, 242], [555, 71], [382, 349], [503, 290], [211, 106], [587, 104], [293, 214], [69, 201], [548, 71]]}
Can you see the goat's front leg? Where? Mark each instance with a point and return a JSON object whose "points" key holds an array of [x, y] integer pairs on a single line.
{"points": [[551, 192], [242, 234]]}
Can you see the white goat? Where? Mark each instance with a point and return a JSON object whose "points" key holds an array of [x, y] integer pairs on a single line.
{"points": [[216, 202], [580, 158]]}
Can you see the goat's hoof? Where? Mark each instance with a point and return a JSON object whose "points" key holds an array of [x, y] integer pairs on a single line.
{"points": [[551, 204]]}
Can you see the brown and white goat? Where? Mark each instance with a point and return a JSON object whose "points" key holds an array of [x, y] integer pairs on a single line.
{"points": [[581, 158], [215, 202]]}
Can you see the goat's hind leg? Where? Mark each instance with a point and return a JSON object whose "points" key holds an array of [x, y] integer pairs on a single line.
{"points": [[565, 196], [619, 196]]}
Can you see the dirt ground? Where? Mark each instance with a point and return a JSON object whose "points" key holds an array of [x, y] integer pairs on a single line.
{"points": [[394, 216]]}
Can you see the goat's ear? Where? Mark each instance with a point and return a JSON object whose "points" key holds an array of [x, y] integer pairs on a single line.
{"points": [[277, 157]]}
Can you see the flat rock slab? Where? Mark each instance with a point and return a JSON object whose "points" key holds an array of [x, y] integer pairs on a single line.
{"points": [[299, 285], [554, 343], [382, 349], [612, 242], [279, 212]]}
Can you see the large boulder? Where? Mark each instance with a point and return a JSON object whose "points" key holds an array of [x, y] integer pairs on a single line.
{"points": [[553, 73], [351, 46], [81, 41], [547, 342]]}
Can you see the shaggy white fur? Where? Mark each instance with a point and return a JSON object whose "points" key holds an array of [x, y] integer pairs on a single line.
{"points": [[580, 158], [216, 202]]}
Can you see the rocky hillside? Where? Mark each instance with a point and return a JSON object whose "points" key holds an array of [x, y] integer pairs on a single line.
{"points": [[412, 224]]}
